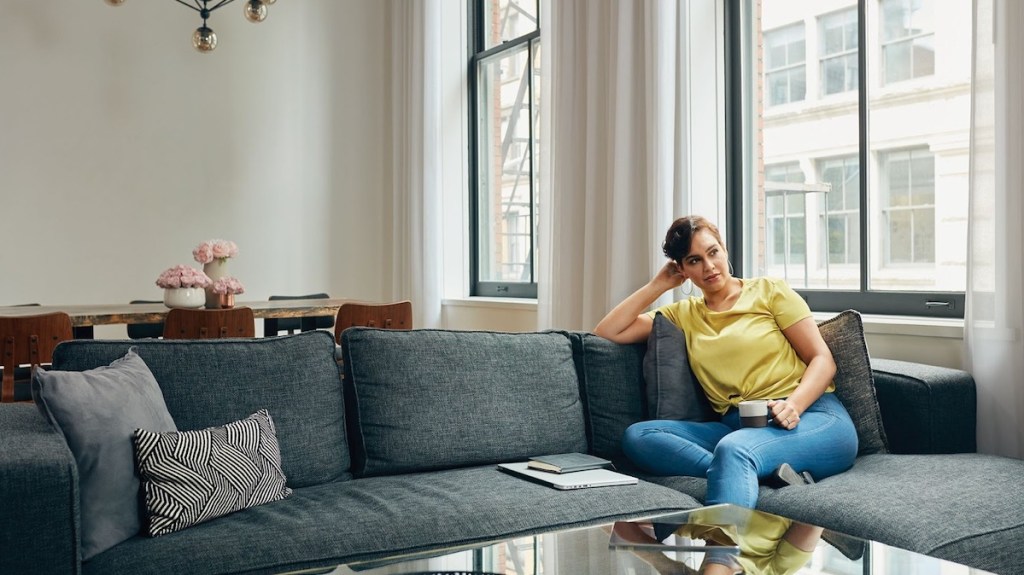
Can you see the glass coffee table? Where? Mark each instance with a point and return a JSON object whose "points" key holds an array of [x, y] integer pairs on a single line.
{"points": [[715, 539]]}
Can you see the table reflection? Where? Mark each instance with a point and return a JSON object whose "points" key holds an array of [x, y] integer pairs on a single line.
{"points": [[723, 540]]}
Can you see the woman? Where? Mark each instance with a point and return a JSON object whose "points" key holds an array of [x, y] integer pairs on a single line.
{"points": [[746, 339]]}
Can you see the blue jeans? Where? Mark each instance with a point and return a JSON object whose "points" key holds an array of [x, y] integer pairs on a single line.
{"points": [[734, 458]]}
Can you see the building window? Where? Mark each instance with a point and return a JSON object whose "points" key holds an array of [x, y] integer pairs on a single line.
{"points": [[908, 189], [841, 209], [785, 212], [785, 69], [908, 43], [838, 51], [505, 85], [880, 224]]}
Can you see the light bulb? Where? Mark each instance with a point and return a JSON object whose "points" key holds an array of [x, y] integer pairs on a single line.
{"points": [[115, 2], [255, 10], [204, 39]]}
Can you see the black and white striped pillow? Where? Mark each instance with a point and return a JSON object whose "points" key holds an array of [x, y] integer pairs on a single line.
{"points": [[189, 477]]}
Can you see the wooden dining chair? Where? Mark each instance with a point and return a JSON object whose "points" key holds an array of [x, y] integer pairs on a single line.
{"points": [[396, 315], [182, 323], [273, 325], [29, 340]]}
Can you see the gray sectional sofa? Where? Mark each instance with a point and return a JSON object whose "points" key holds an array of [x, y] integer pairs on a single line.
{"points": [[399, 455]]}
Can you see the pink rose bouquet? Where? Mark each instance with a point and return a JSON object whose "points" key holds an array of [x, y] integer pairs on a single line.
{"points": [[181, 276], [227, 285], [210, 250]]}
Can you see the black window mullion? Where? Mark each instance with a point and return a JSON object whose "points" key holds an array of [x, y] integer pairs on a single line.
{"points": [[734, 158], [533, 153], [862, 118]]}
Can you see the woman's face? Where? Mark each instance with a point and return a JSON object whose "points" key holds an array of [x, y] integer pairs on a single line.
{"points": [[707, 264]]}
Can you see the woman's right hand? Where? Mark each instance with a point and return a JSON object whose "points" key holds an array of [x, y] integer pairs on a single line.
{"points": [[627, 322], [669, 277]]}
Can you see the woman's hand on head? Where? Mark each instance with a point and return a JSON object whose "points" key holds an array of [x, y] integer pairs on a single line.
{"points": [[628, 322], [670, 276]]}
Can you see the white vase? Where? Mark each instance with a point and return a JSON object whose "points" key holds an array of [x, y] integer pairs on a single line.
{"points": [[184, 297], [216, 269]]}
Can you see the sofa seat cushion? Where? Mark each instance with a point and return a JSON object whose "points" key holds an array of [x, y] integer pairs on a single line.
{"points": [[434, 399], [967, 508], [210, 382], [370, 518]]}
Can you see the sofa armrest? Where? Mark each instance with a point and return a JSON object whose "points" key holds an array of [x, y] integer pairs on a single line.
{"points": [[926, 409], [39, 523]]}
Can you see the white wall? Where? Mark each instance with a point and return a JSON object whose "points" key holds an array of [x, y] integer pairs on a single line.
{"points": [[121, 148]]}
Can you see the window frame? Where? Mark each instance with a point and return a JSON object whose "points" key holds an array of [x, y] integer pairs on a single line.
{"points": [[478, 55], [738, 76]]}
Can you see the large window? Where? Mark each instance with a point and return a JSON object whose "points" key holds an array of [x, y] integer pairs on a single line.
{"points": [[505, 86], [857, 193]]}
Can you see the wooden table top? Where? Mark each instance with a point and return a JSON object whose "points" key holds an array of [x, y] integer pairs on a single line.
{"points": [[110, 314]]}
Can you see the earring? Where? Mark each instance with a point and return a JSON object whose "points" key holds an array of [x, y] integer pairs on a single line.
{"points": [[684, 292], [732, 273]]}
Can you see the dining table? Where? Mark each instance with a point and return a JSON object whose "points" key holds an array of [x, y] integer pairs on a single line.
{"points": [[85, 316]]}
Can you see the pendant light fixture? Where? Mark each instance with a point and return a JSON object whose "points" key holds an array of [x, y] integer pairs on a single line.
{"points": [[204, 39]]}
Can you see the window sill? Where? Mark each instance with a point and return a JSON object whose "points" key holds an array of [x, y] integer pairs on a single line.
{"points": [[511, 303], [906, 325], [873, 324]]}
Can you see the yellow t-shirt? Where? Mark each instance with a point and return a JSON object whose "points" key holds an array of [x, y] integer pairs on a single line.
{"points": [[741, 353]]}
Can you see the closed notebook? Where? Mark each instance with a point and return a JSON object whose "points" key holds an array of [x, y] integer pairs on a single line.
{"points": [[567, 462], [574, 480]]}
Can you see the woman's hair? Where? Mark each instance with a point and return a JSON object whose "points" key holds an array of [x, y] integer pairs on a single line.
{"points": [[680, 236]]}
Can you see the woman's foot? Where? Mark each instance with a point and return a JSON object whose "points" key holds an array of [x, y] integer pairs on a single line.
{"points": [[786, 476]]}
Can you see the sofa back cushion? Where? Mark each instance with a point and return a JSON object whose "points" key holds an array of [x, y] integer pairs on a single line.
{"points": [[206, 383], [613, 383], [432, 399]]}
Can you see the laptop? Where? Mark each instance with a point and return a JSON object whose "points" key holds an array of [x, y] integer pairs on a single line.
{"points": [[573, 480]]}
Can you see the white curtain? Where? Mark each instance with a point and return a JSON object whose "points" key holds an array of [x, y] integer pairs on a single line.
{"points": [[615, 152], [416, 158], [994, 322]]}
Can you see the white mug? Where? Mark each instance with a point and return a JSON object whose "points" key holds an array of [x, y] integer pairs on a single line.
{"points": [[754, 413]]}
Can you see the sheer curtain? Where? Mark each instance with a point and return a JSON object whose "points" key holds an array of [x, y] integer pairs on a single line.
{"points": [[994, 322], [416, 157], [618, 98]]}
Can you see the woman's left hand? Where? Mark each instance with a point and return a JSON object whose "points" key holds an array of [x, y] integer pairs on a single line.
{"points": [[784, 414]]}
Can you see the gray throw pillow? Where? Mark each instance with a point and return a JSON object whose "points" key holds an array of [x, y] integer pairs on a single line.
{"points": [[672, 390], [97, 410], [189, 477], [855, 386]]}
